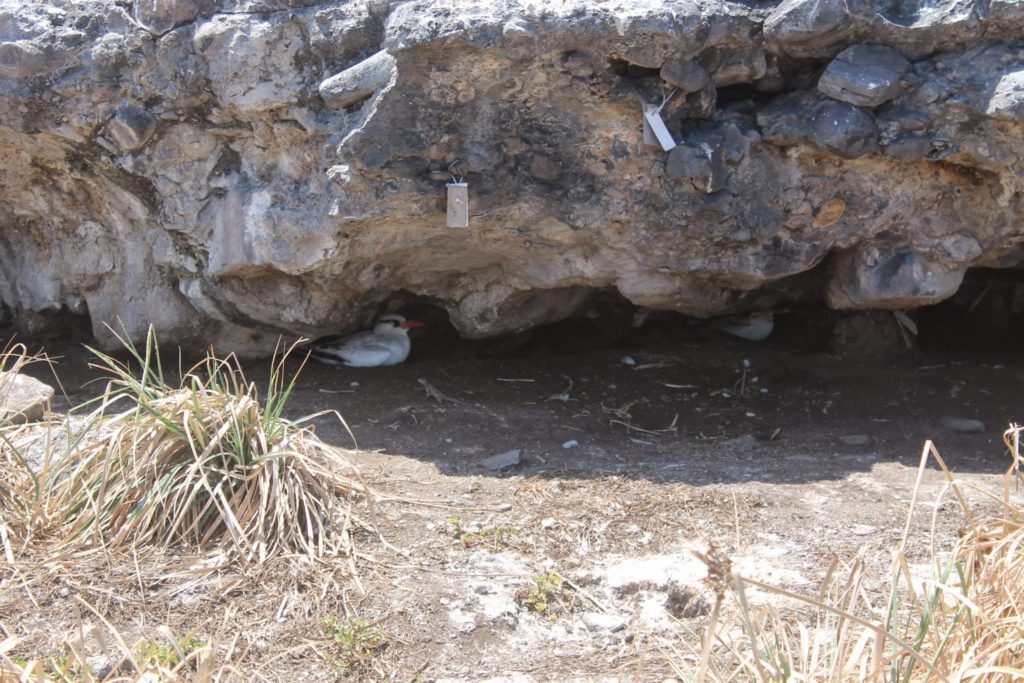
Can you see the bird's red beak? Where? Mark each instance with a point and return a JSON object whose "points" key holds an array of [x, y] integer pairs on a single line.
{"points": [[409, 324]]}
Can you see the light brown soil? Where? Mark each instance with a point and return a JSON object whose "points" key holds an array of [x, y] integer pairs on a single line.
{"points": [[624, 469]]}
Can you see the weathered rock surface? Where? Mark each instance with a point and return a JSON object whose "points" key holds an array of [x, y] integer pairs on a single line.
{"points": [[230, 170], [687, 76], [358, 82], [808, 27], [23, 398], [865, 75]]}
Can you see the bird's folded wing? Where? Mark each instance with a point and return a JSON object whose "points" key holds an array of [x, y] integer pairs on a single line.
{"points": [[340, 345], [366, 351], [375, 354]]}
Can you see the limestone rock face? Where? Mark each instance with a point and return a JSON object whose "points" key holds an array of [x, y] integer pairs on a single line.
{"points": [[232, 170], [23, 398]]}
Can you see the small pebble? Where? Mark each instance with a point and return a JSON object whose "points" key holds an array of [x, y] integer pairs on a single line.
{"points": [[102, 666], [856, 439], [596, 621], [501, 460], [751, 414], [963, 425], [763, 390], [863, 529], [548, 523], [629, 360], [571, 443], [746, 363], [353, 384]]}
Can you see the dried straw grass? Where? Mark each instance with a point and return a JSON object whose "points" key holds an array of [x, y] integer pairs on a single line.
{"points": [[965, 623], [200, 486], [20, 493], [986, 642], [202, 465], [95, 651], [13, 478]]}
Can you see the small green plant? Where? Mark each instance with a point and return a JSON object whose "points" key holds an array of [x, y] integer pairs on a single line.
{"points": [[455, 528], [166, 654], [56, 666], [168, 659], [497, 536], [356, 641], [547, 596]]}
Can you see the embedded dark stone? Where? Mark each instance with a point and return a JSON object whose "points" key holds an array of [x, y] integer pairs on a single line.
{"points": [[910, 147], [704, 165], [807, 27], [865, 75], [844, 129], [687, 76], [131, 127]]}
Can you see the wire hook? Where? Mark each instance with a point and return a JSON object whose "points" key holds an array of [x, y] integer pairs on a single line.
{"points": [[455, 168], [666, 98]]}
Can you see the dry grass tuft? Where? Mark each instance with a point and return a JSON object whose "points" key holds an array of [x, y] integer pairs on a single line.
{"points": [[202, 465], [159, 489], [20, 492], [13, 476], [964, 623], [986, 642]]}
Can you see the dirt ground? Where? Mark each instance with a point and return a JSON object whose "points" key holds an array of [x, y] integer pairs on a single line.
{"points": [[630, 456]]}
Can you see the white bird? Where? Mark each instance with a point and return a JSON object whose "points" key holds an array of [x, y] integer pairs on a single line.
{"points": [[388, 344], [754, 327]]}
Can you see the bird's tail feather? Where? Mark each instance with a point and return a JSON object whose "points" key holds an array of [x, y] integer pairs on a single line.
{"points": [[323, 357]]}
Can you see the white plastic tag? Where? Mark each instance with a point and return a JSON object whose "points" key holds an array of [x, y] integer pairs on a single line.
{"points": [[653, 119], [649, 137], [458, 205]]}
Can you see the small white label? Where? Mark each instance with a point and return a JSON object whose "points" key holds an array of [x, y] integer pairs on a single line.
{"points": [[653, 119], [458, 205], [649, 137]]}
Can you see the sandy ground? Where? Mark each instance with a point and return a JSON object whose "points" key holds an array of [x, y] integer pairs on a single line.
{"points": [[628, 458]]}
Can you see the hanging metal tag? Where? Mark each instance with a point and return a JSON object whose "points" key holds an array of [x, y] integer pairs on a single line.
{"points": [[649, 137], [458, 205], [653, 119]]}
